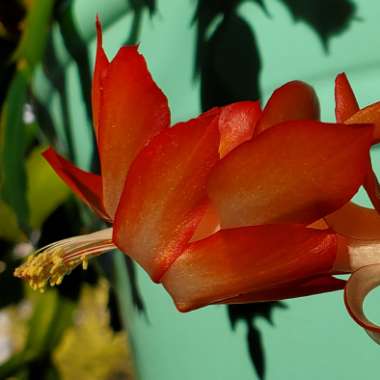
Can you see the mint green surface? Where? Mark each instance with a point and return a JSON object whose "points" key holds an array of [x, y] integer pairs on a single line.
{"points": [[314, 338]]}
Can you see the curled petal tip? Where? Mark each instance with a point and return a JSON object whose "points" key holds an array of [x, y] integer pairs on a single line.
{"points": [[358, 286]]}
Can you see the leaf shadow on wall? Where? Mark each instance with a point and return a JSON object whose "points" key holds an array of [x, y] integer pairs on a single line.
{"points": [[138, 7], [228, 64]]}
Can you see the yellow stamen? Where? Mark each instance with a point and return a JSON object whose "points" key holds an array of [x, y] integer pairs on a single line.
{"points": [[85, 263], [50, 264]]}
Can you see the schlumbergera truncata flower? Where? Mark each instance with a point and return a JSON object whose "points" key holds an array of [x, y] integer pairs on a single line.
{"points": [[238, 205]]}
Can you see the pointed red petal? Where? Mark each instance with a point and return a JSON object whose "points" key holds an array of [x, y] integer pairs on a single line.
{"points": [[355, 222], [86, 185], [165, 194], [100, 71], [372, 187], [293, 101], [244, 260], [310, 286], [133, 110], [236, 124], [358, 286], [290, 173], [345, 102], [368, 115]]}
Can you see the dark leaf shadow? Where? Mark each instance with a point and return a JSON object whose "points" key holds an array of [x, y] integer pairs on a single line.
{"points": [[256, 350], [107, 269], [135, 292], [59, 84], [229, 63], [327, 18], [249, 314], [78, 51], [77, 48], [138, 7]]}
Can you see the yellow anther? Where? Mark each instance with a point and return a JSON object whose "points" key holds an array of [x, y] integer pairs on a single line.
{"points": [[45, 267], [50, 264], [85, 262]]}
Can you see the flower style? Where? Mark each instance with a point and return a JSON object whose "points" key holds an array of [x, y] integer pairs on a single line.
{"points": [[233, 206]]}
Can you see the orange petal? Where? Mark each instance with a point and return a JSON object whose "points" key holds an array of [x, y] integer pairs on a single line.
{"points": [[86, 185], [358, 286], [310, 286], [355, 222], [368, 115], [372, 187], [290, 173], [345, 102], [295, 100], [353, 254], [247, 260], [165, 194], [209, 224], [100, 71], [133, 110], [236, 124]]}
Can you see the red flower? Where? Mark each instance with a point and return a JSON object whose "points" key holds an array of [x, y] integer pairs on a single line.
{"points": [[358, 227], [224, 208]]}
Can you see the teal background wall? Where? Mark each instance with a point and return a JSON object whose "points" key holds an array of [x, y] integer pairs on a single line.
{"points": [[314, 338]]}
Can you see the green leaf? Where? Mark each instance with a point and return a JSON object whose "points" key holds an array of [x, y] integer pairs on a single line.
{"points": [[46, 191], [12, 129], [9, 229], [12, 143], [33, 40]]}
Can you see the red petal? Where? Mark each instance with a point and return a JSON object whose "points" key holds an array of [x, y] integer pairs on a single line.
{"points": [[133, 110], [236, 124], [345, 102], [368, 115], [372, 187], [310, 286], [358, 286], [209, 224], [165, 194], [245, 260], [293, 101], [291, 173], [355, 222], [86, 185], [100, 71]]}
